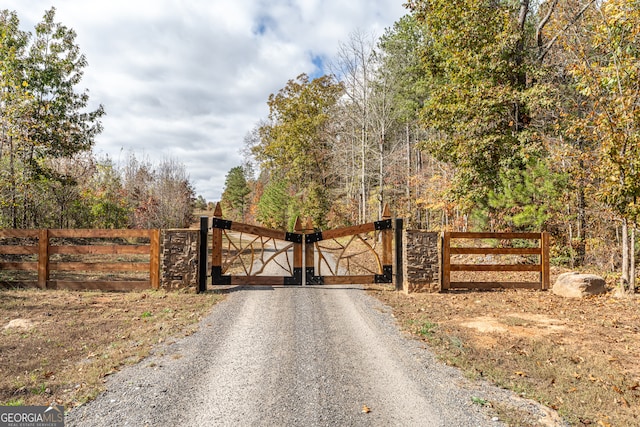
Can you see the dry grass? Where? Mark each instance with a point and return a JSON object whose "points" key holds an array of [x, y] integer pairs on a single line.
{"points": [[73, 340], [580, 357]]}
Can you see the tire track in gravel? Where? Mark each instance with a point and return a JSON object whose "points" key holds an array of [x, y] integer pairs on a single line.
{"points": [[289, 356]]}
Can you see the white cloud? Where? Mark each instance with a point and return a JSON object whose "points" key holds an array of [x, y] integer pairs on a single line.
{"points": [[188, 79]]}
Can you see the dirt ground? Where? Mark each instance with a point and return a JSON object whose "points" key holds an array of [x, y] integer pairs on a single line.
{"points": [[58, 346], [578, 356]]}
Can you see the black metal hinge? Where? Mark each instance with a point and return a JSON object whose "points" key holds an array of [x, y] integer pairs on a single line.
{"points": [[293, 237], [314, 237], [296, 279], [217, 278], [386, 276], [385, 224], [221, 223]]}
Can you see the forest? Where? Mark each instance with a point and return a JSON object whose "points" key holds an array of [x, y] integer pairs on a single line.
{"points": [[493, 115], [49, 175], [496, 115]]}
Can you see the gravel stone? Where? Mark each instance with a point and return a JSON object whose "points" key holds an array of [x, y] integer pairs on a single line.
{"points": [[293, 356]]}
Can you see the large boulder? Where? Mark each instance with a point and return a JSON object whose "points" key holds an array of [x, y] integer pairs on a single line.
{"points": [[578, 285]]}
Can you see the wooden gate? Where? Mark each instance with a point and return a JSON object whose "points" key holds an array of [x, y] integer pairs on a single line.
{"points": [[243, 254]]}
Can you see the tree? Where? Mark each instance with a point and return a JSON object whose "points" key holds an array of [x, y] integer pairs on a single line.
{"points": [[606, 72], [355, 65], [529, 198], [105, 195], [234, 195], [482, 91], [201, 203], [43, 115], [273, 207], [14, 96], [296, 143], [401, 49], [160, 196]]}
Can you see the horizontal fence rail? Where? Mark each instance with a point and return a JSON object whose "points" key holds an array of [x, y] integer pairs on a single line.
{"points": [[542, 266], [53, 253]]}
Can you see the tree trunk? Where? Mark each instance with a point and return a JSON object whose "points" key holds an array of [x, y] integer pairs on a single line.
{"points": [[632, 260], [624, 278], [363, 189], [582, 208]]}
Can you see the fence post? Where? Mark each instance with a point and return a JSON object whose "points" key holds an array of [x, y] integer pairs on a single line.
{"points": [[154, 258], [399, 244], [446, 261], [216, 248], [297, 254], [387, 240], [43, 258], [544, 260], [309, 262], [202, 254]]}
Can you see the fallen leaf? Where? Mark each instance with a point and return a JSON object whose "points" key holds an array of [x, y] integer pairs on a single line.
{"points": [[365, 409]]}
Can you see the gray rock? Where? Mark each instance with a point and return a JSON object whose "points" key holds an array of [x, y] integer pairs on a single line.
{"points": [[578, 285]]}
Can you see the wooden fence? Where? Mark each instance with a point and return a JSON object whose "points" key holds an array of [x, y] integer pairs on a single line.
{"points": [[53, 258], [542, 266]]}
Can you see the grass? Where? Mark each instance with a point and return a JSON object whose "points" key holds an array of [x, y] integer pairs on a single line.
{"points": [[579, 357], [77, 339]]}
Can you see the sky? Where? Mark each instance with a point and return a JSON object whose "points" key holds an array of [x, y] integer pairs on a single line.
{"points": [[187, 80]]}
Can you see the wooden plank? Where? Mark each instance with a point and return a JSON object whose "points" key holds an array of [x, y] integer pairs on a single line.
{"points": [[495, 267], [297, 247], [387, 239], [18, 250], [257, 280], [17, 266], [258, 231], [10, 232], [309, 261], [545, 273], [114, 285], [349, 280], [495, 285], [99, 266], [19, 283], [95, 233], [348, 231], [101, 250], [446, 261], [43, 258], [495, 251], [216, 241], [471, 235], [154, 259]]}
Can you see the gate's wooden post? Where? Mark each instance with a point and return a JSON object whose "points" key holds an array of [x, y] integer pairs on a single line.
{"points": [[154, 258], [216, 248], [43, 258], [399, 245], [387, 241], [446, 261], [544, 260], [297, 254], [309, 262], [202, 254]]}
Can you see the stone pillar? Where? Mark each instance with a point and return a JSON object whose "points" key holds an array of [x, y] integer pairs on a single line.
{"points": [[421, 261], [179, 259]]}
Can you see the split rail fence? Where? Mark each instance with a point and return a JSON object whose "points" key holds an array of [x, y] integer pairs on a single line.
{"points": [[541, 266], [58, 251]]}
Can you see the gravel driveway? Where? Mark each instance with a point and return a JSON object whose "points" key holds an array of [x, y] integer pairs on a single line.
{"points": [[290, 356]]}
